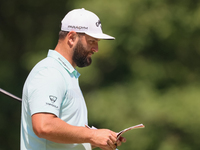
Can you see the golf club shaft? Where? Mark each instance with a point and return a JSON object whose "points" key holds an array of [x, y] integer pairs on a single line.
{"points": [[10, 95]]}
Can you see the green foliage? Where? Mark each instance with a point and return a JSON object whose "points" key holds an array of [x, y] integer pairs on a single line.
{"points": [[150, 74], [170, 118]]}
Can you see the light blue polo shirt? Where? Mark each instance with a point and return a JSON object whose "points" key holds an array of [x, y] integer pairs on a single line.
{"points": [[52, 87]]}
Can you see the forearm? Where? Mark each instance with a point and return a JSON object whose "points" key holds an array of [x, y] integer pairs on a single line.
{"points": [[49, 127], [58, 131]]}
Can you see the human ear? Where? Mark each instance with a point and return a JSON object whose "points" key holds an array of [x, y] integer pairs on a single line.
{"points": [[72, 36]]}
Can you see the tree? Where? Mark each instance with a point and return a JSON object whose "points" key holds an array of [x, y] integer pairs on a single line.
{"points": [[149, 74]]}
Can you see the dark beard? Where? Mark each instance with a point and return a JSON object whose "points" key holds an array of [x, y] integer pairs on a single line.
{"points": [[80, 56]]}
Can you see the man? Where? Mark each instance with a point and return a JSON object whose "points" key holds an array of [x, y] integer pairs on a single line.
{"points": [[54, 112]]}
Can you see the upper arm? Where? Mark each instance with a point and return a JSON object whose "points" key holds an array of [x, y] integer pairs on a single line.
{"points": [[42, 123], [46, 92]]}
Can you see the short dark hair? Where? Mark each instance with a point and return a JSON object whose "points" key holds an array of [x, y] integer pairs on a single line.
{"points": [[63, 34]]}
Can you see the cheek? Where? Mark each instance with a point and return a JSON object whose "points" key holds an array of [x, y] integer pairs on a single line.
{"points": [[87, 49]]}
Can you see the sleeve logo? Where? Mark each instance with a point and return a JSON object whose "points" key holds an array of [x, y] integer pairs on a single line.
{"points": [[52, 98]]}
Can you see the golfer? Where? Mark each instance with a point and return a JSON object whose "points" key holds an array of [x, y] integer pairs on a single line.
{"points": [[54, 113]]}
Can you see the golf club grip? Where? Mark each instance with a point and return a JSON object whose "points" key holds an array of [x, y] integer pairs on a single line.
{"points": [[10, 95]]}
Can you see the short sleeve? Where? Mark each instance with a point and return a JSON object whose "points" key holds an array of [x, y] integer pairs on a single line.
{"points": [[47, 90]]}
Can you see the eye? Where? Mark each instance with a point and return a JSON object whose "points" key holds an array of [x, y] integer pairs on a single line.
{"points": [[91, 41]]}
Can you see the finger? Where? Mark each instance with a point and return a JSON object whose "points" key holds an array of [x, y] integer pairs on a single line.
{"points": [[118, 143], [114, 134], [113, 140], [111, 144], [122, 139]]}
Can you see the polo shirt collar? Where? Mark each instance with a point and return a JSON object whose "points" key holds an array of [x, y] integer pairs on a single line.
{"points": [[64, 62]]}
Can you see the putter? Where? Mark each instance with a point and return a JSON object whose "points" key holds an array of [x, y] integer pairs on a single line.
{"points": [[10, 95]]}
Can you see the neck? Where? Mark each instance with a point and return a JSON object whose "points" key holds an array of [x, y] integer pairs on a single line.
{"points": [[65, 51]]}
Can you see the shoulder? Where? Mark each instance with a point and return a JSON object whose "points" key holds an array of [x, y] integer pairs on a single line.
{"points": [[47, 68]]}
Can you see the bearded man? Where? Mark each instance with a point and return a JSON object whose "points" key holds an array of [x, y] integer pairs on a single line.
{"points": [[54, 113]]}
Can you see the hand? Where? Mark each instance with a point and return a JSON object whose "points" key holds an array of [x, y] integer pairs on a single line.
{"points": [[121, 139], [105, 139]]}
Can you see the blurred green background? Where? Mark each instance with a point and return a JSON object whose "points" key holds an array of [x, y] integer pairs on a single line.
{"points": [[150, 74]]}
